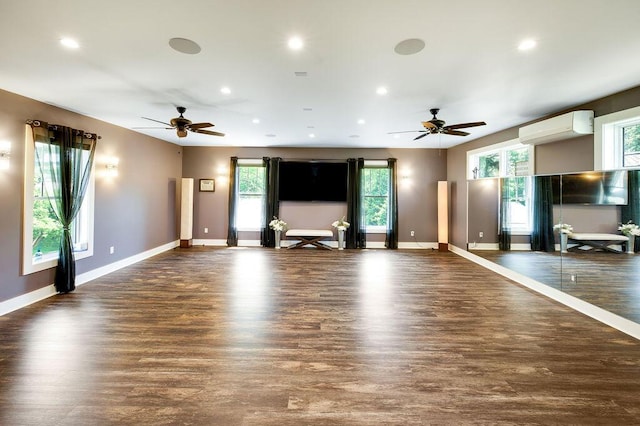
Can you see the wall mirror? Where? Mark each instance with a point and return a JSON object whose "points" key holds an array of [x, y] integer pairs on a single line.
{"points": [[595, 263]]}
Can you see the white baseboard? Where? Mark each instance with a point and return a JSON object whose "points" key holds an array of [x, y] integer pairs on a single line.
{"points": [[48, 291], [624, 325], [212, 242], [496, 246]]}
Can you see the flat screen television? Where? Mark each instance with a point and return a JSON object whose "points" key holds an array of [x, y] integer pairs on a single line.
{"points": [[312, 181], [596, 188]]}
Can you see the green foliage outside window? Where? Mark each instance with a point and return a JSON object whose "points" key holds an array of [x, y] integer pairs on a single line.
{"points": [[489, 165], [631, 145], [375, 187], [251, 180], [47, 230]]}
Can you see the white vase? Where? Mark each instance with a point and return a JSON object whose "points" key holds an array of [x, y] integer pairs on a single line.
{"points": [[631, 244], [564, 238], [277, 239], [340, 239]]}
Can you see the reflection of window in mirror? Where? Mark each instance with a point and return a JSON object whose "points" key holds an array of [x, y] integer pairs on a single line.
{"points": [[617, 140], [514, 161]]}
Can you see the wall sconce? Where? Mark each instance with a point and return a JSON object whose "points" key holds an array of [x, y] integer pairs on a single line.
{"points": [[111, 167], [5, 155]]}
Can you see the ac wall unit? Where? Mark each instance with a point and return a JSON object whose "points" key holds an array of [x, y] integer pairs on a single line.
{"points": [[565, 126]]}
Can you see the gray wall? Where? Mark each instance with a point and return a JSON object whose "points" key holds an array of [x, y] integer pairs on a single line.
{"points": [[134, 212], [559, 157], [417, 195]]}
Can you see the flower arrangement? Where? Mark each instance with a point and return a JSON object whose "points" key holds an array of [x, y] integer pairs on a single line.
{"points": [[278, 224], [629, 229], [341, 224], [563, 228]]}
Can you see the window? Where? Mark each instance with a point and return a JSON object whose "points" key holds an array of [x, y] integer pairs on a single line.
{"points": [[252, 185], [41, 229], [375, 194], [510, 160], [617, 140]]}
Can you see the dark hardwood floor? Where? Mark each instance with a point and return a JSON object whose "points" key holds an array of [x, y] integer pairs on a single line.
{"points": [[608, 280], [206, 336]]}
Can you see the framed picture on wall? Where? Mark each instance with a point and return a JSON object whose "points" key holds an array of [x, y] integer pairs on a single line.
{"points": [[207, 185]]}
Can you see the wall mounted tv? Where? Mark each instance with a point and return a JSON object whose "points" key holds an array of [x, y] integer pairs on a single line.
{"points": [[313, 181], [597, 188]]}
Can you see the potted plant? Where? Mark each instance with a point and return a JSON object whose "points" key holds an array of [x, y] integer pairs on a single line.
{"points": [[564, 229], [341, 225], [631, 231], [278, 225]]}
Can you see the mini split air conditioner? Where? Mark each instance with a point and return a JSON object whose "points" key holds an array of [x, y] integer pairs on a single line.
{"points": [[565, 126]]}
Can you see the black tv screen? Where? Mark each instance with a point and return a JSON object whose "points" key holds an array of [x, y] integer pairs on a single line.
{"points": [[312, 181], [598, 188]]}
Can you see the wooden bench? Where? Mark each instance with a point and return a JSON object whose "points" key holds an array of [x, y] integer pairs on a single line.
{"points": [[312, 237], [596, 241]]}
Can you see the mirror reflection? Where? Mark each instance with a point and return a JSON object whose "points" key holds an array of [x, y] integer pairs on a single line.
{"points": [[574, 232]]}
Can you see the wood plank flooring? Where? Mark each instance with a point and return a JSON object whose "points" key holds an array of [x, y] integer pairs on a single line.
{"points": [[604, 279], [254, 336]]}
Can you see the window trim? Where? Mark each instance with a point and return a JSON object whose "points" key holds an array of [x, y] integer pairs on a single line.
{"points": [[474, 154], [51, 261], [249, 162], [377, 164], [607, 146]]}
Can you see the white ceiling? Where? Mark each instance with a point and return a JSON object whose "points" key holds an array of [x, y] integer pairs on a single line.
{"points": [[470, 67]]}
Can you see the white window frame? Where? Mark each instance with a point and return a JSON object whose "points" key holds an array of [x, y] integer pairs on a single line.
{"points": [[86, 214], [377, 164], [473, 157], [473, 161], [607, 143], [250, 162]]}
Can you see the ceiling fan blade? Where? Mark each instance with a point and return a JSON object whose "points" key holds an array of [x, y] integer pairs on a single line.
{"points": [[407, 131], [157, 121], [421, 136], [465, 125], [455, 132], [139, 128], [200, 125], [429, 125], [207, 132]]}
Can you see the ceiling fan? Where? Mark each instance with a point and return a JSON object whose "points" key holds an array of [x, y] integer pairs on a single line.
{"points": [[183, 125], [435, 125]]}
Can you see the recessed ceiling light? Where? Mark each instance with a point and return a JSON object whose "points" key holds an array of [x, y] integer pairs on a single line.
{"points": [[184, 45], [311, 127], [225, 90], [295, 43], [270, 135], [361, 121], [312, 135], [354, 136], [527, 44], [300, 73], [255, 121], [69, 42], [382, 90], [307, 109]]}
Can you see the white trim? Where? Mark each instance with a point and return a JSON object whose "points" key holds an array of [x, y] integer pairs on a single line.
{"points": [[210, 242], [496, 246], [423, 245], [372, 164], [499, 147], [27, 299], [619, 323], [250, 162], [605, 158]]}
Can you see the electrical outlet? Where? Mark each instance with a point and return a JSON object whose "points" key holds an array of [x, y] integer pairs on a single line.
{"points": [[112, 250], [413, 233], [481, 234], [206, 230], [573, 278]]}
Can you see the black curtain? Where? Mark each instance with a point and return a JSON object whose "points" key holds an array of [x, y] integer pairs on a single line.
{"points": [[631, 211], [391, 240], [272, 203], [542, 238], [504, 231], [232, 232], [65, 159], [356, 235]]}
